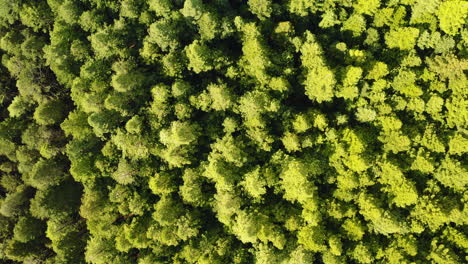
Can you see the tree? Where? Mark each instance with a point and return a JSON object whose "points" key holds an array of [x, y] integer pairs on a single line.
{"points": [[192, 9], [296, 186], [403, 38], [167, 210], [215, 132], [76, 125], [36, 15], [402, 191], [349, 90], [69, 11], [193, 191], [291, 142], [365, 115], [452, 15], [57, 201], [262, 9], [202, 58], [319, 79], [91, 20], [68, 238], [301, 7], [131, 8], [161, 7], [230, 150], [209, 26], [101, 250], [125, 173], [422, 11], [16, 203], [452, 174], [9, 11], [121, 101], [10, 182], [383, 222], [221, 96], [134, 125], [367, 7], [7, 148], [354, 229], [127, 77], [181, 89], [458, 144], [19, 106], [256, 55], [46, 173], [312, 238], [179, 134], [356, 24], [163, 183], [103, 122], [28, 228], [174, 63], [50, 112], [362, 254], [254, 183], [404, 82], [20, 252], [165, 33], [441, 253], [107, 42]]}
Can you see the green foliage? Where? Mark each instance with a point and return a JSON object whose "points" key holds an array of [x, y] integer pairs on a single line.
{"points": [[106, 43], [57, 201], [254, 183], [452, 15], [27, 229], [16, 203], [127, 78], [179, 134], [262, 9], [209, 26], [69, 11], [103, 122], [91, 20], [403, 38], [36, 15], [300, 7], [212, 132], [356, 24], [199, 56], [46, 173], [221, 96], [67, 238], [452, 174], [164, 33], [76, 125], [125, 173], [161, 7], [162, 183], [19, 106], [319, 79], [193, 188], [9, 11], [49, 113], [367, 7]]}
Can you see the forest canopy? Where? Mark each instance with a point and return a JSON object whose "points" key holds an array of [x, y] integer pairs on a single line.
{"points": [[234, 131]]}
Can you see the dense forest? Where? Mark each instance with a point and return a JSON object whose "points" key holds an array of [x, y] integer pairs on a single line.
{"points": [[233, 131]]}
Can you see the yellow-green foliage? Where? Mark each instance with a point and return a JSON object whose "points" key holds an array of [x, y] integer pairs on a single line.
{"points": [[403, 38], [233, 131], [452, 16]]}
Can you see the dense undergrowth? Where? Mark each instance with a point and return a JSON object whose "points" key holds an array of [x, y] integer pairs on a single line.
{"points": [[229, 131]]}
